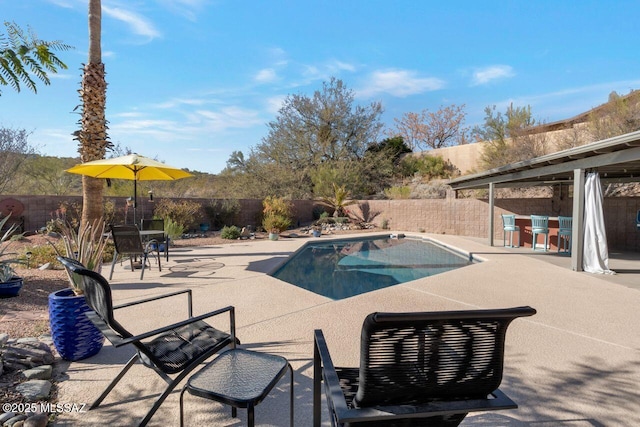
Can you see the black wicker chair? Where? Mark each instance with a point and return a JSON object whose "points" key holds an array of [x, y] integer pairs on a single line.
{"points": [[174, 349], [422, 369], [127, 242]]}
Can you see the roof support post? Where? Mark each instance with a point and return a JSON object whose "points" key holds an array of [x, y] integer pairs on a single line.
{"points": [[577, 228], [491, 222]]}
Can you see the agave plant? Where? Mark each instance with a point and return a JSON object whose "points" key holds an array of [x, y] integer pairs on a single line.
{"points": [[86, 245], [6, 265]]}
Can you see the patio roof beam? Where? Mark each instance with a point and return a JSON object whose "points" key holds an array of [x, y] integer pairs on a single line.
{"points": [[544, 173]]}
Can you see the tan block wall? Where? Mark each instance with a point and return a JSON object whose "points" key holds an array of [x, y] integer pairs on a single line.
{"points": [[464, 217]]}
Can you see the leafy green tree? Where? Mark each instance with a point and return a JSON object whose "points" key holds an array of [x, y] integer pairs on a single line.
{"points": [[428, 167], [46, 175], [393, 147], [326, 128], [14, 150], [24, 56], [510, 137], [620, 115]]}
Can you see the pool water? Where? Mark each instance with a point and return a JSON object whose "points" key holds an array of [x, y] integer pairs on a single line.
{"points": [[341, 269]]}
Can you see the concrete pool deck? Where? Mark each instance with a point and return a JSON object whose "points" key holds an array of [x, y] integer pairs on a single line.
{"points": [[575, 363]]}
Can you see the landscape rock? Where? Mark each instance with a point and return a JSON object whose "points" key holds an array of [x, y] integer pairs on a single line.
{"points": [[25, 354], [37, 420], [6, 416], [14, 420], [34, 390], [39, 373], [3, 339]]}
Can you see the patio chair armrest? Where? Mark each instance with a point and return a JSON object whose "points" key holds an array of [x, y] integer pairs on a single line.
{"points": [[158, 297], [324, 370], [189, 321]]}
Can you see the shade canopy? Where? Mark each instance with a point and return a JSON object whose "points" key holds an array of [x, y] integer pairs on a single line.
{"points": [[131, 167]]}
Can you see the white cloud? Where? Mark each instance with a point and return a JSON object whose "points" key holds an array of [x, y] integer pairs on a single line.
{"points": [[187, 8], [62, 76], [486, 75], [176, 102], [266, 75], [399, 83], [275, 103], [138, 24], [336, 66], [228, 117]]}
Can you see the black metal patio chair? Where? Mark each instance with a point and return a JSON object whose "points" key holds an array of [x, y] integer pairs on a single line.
{"points": [[128, 242], [426, 369], [174, 349]]}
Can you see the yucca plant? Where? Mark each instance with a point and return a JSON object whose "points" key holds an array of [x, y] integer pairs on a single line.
{"points": [[338, 200]]}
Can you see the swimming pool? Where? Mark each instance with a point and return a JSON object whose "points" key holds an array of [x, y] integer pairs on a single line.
{"points": [[341, 269]]}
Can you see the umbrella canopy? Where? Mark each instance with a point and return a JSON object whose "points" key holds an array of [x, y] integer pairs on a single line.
{"points": [[132, 167]]}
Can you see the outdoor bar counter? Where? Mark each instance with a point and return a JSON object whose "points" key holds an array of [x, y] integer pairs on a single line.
{"points": [[526, 236]]}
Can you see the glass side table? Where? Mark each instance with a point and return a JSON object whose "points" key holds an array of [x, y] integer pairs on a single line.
{"points": [[239, 378]]}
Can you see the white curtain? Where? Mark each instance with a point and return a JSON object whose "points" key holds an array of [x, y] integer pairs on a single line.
{"points": [[596, 252]]}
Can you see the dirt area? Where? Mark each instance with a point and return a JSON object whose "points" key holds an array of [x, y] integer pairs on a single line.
{"points": [[27, 314]]}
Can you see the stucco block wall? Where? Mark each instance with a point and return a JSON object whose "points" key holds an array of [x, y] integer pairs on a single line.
{"points": [[465, 217]]}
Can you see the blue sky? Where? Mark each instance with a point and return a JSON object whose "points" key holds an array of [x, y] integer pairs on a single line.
{"points": [[191, 81]]}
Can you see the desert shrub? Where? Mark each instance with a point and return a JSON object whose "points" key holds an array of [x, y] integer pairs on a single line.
{"points": [[69, 212], [397, 193], [222, 212], [318, 212], [173, 229], [230, 232], [109, 212], [276, 214], [41, 254], [426, 166], [435, 189], [181, 212]]}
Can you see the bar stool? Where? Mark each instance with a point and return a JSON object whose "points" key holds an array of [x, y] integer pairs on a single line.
{"points": [[509, 226], [540, 225], [240, 378], [564, 233]]}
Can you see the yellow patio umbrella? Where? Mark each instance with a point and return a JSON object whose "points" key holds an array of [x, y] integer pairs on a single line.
{"points": [[131, 167]]}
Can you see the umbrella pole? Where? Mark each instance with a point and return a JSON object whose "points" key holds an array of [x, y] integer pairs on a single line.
{"points": [[135, 199]]}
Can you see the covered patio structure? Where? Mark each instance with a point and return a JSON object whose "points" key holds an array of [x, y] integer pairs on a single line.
{"points": [[616, 160]]}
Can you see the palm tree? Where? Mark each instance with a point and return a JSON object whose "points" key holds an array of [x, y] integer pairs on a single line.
{"points": [[23, 56], [92, 137]]}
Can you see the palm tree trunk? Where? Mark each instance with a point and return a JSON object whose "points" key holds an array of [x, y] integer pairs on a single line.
{"points": [[92, 137]]}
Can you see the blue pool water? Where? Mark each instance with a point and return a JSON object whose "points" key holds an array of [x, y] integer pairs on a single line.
{"points": [[343, 268]]}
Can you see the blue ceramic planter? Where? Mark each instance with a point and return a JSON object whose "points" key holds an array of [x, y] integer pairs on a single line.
{"points": [[11, 288], [73, 334]]}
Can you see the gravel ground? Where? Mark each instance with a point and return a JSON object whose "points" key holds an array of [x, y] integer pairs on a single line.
{"points": [[38, 284]]}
